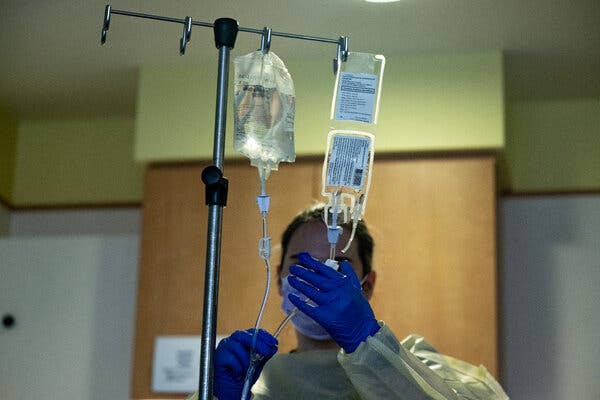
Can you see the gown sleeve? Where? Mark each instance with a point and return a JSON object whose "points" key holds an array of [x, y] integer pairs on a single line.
{"points": [[383, 368]]}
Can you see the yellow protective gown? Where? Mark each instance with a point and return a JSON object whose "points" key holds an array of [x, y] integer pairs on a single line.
{"points": [[380, 368]]}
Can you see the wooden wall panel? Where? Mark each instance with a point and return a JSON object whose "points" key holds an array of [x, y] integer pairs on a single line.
{"points": [[173, 253], [435, 232], [170, 273], [243, 273], [433, 220]]}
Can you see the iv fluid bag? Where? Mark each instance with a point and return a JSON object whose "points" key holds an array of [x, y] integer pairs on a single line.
{"points": [[264, 109], [348, 161], [350, 145], [347, 167], [357, 92]]}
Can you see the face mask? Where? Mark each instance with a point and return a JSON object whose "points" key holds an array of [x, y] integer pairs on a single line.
{"points": [[302, 322]]}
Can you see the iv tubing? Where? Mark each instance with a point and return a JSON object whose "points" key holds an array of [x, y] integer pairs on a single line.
{"points": [[267, 286], [358, 208], [254, 357], [333, 230], [285, 321], [265, 254]]}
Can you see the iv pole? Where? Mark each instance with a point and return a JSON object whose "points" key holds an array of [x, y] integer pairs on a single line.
{"points": [[225, 32]]}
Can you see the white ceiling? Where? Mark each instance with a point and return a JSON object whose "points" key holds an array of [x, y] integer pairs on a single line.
{"points": [[52, 64]]}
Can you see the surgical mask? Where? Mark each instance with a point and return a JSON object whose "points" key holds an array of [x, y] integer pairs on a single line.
{"points": [[302, 322]]}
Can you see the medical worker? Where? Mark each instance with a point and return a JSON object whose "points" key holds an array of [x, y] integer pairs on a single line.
{"points": [[343, 351]]}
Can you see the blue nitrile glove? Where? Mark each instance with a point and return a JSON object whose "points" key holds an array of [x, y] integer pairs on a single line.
{"points": [[341, 308], [232, 358]]}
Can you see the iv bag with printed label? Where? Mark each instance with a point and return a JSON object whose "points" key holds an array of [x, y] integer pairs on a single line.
{"points": [[264, 109], [348, 161], [357, 92], [347, 169]]}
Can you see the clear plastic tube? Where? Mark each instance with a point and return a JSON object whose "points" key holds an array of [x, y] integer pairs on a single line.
{"points": [[284, 322], [264, 251], [356, 215], [332, 212], [264, 301], [255, 359]]}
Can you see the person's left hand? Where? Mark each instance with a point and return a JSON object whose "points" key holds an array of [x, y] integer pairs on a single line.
{"points": [[341, 308], [232, 359]]}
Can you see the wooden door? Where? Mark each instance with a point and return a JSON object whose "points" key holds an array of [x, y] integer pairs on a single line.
{"points": [[434, 224]]}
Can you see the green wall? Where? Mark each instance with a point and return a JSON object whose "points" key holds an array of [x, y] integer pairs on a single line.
{"points": [[76, 162], [443, 102], [553, 146], [429, 102], [8, 154]]}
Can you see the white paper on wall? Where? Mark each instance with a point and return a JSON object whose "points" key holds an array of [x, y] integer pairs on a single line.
{"points": [[176, 364]]}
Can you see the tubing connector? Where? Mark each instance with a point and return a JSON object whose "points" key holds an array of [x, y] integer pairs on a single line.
{"points": [[263, 202], [333, 234], [332, 264], [264, 248]]}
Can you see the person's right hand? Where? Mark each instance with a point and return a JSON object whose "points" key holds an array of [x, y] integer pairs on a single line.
{"points": [[340, 306], [232, 359]]}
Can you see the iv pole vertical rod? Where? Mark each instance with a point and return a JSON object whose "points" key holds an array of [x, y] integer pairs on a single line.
{"points": [[221, 113], [213, 246], [225, 33]]}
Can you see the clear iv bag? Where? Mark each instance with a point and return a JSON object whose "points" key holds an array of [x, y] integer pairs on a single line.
{"points": [[264, 109], [357, 92]]}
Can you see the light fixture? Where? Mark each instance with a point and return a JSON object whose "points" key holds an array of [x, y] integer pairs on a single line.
{"points": [[381, 1]]}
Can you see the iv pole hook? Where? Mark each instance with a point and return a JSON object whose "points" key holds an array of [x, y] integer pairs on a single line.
{"points": [[342, 53], [105, 24], [187, 34], [265, 40]]}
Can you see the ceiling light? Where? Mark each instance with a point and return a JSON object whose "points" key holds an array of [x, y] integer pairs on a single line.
{"points": [[381, 1]]}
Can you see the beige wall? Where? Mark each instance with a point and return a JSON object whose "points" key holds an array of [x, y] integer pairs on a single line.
{"points": [[77, 162], [429, 102], [553, 145]]}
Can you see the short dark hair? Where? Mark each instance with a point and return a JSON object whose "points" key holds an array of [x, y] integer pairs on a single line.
{"points": [[315, 213]]}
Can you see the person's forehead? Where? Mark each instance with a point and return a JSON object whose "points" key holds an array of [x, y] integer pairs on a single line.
{"points": [[311, 236]]}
